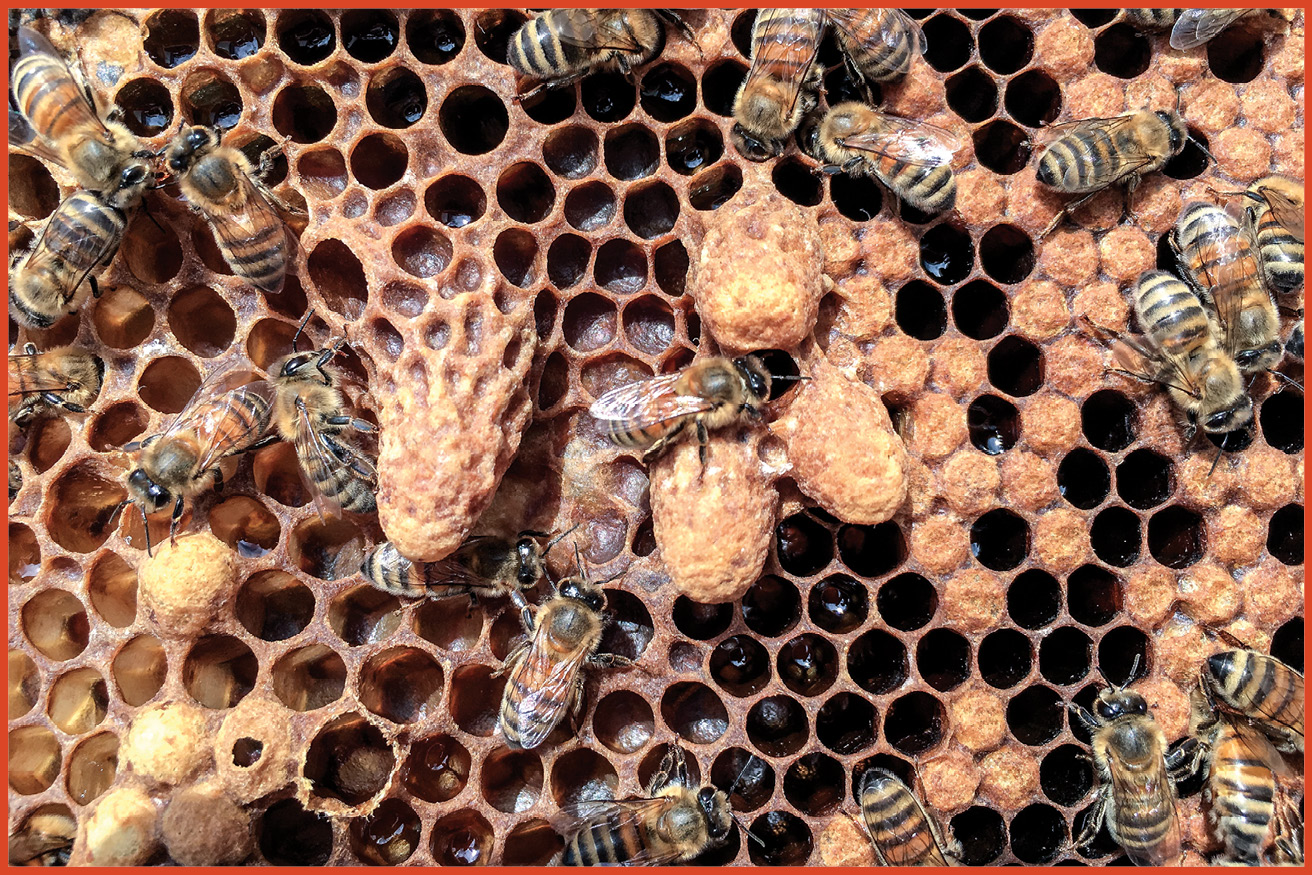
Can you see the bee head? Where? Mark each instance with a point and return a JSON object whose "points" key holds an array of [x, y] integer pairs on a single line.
{"points": [[300, 366], [750, 147], [1251, 360], [146, 491], [576, 589], [716, 807], [755, 375], [186, 145], [1114, 703]]}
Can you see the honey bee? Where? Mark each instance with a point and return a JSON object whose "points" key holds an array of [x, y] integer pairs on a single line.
{"points": [[1241, 786], [561, 46], [913, 159], [1218, 259], [880, 43], [57, 120], [544, 683], [783, 82], [1294, 343], [310, 413], [1099, 152], [674, 824], [709, 394], [1150, 19], [1260, 687], [1287, 848], [1201, 379], [220, 182], [60, 379], [1275, 222], [1196, 27], [1136, 796], [15, 478], [45, 840], [222, 419], [903, 833]]}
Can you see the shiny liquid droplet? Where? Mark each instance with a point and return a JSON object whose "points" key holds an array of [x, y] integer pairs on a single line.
{"points": [[235, 38], [741, 664], [805, 665], [434, 775], [151, 118], [461, 848], [176, 54], [249, 550], [371, 44], [310, 37], [224, 115], [390, 837], [454, 218], [842, 606], [402, 98]]}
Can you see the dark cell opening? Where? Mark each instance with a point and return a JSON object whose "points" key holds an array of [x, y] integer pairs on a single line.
{"points": [[1006, 253], [841, 85], [1065, 656], [651, 210], [379, 160], [1005, 45], [1177, 537], [947, 255], [808, 665], [747, 779], [473, 120], [1166, 259], [620, 267], [670, 267], [1237, 54], [694, 711], [567, 260], [1122, 650], [1085, 699], [785, 840], [1066, 775], [236, 35], [741, 32], [994, 424], [797, 182], [1102, 844], [858, 198], [1005, 658], [1033, 600], [877, 662], [979, 308], [1191, 161], [214, 102], [172, 36], [1033, 98], [147, 107], [1093, 595], [740, 665], [699, 621], [1000, 540], [649, 324], [1122, 51], [1284, 537], [977, 14], [589, 322], [551, 106], [982, 834], [1287, 644], [779, 364], [1116, 536], [1145, 479], [571, 152], [1002, 147], [668, 92], [631, 152], [1035, 715], [493, 31], [871, 551], [943, 659], [1083, 478], [920, 311], [455, 201], [369, 35], [291, 836], [514, 252], [306, 36], [590, 206], [915, 723], [814, 784], [304, 112], [1093, 18], [435, 36], [949, 43], [1232, 441], [545, 308], [972, 94], [1038, 833], [777, 726], [772, 606], [846, 724], [1109, 420], [715, 187], [692, 146], [838, 603], [608, 97], [720, 84], [803, 545], [1281, 418], [907, 602], [525, 192]]}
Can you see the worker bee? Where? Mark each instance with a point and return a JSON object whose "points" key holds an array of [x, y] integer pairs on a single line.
{"points": [[709, 394], [46, 839], [222, 419], [1150, 19], [1217, 257], [676, 822], [880, 43], [310, 413], [1241, 786], [1287, 847], [1093, 154], [485, 566], [1136, 796], [1260, 687], [561, 46], [57, 120], [59, 379], [902, 831], [220, 182], [1294, 342], [1196, 27], [544, 683], [783, 82], [1275, 222], [913, 159], [1184, 356]]}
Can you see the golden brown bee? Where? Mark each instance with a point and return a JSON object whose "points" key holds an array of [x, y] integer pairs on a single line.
{"points": [[44, 840], [1287, 848], [1150, 19], [880, 43], [311, 413], [57, 120], [1241, 787], [1275, 221], [902, 831], [1222, 265], [1294, 342], [1184, 356], [220, 420], [561, 46], [544, 683], [913, 159], [1136, 796], [40, 383], [675, 823], [15, 478], [709, 394], [221, 184], [1196, 27], [783, 83], [1092, 154], [1260, 687]]}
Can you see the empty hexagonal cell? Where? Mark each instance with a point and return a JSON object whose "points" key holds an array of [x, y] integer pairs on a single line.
{"points": [[1038, 834], [1109, 420], [437, 768], [305, 113], [808, 664], [339, 277], [1123, 655], [785, 840], [208, 98], [24, 554], [1065, 656], [202, 321], [1015, 366], [273, 605], [943, 659], [695, 712], [328, 549], [219, 671], [715, 187], [589, 322], [838, 603], [551, 106], [493, 30], [32, 191], [379, 160], [877, 662], [1005, 658], [475, 699], [982, 834], [571, 151], [670, 267], [34, 759], [153, 253], [803, 545], [623, 721], [608, 96], [907, 602], [525, 193], [56, 624], [364, 615], [387, 836], [308, 678], [92, 766], [402, 684], [588, 207], [771, 606], [515, 252], [740, 665], [1093, 595], [1066, 775], [322, 172], [777, 725], [1122, 51], [582, 775], [146, 106], [112, 587], [348, 759], [700, 621], [1004, 148], [1177, 537], [24, 684], [473, 120], [747, 779], [972, 94], [649, 324], [949, 42], [1145, 479], [720, 85], [278, 475], [78, 701], [291, 836], [993, 424], [871, 551], [1281, 418], [814, 784], [1284, 538], [139, 669], [1000, 539], [920, 311], [511, 779], [651, 210], [1083, 478], [369, 35], [1116, 536], [168, 383], [47, 439], [1287, 644], [123, 317], [796, 181], [1035, 715], [1033, 98], [1005, 44]]}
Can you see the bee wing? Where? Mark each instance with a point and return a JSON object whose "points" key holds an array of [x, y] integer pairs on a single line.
{"points": [[588, 29], [892, 23], [1195, 27], [24, 138], [223, 442], [79, 248], [907, 141], [30, 42], [617, 815], [1114, 167], [1151, 796], [32, 377], [1287, 213], [647, 403], [801, 41], [550, 684], [249, 214]]}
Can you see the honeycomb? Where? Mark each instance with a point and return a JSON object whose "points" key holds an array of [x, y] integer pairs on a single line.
{"points": [[1057, 521]]}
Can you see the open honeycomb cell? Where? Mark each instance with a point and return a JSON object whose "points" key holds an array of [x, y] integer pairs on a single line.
{"points": [[1058, 526]]}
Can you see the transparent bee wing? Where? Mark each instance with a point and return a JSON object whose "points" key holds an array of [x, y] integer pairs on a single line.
{"points": [[312, 450], [890, 34], [1150, 795], [1287, 213], [214, 423], [618, 815], [30, 42], [24, 138], [907, 141], [76, 209], [550, 685], [589, 29], [647, 403], [1195, 27], [801, 43]]}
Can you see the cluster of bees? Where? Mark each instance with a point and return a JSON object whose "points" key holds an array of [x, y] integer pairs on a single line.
{"points": [[1204, 333]]}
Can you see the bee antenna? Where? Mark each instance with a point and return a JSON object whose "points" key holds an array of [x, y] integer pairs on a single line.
{"points": [[797, 377], [1201, 148], [145, 524], [1289, 381], [300, 328], [556, 540], [751, 835]]}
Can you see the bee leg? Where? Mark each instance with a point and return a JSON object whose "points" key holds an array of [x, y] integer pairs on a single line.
{"points": [[95, 287], [703, 441], [175, 521], [1086, 720], [1131, 183], [610, 660], [549, 85], [57, 401], [1097, 816], [1188, 758]]}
